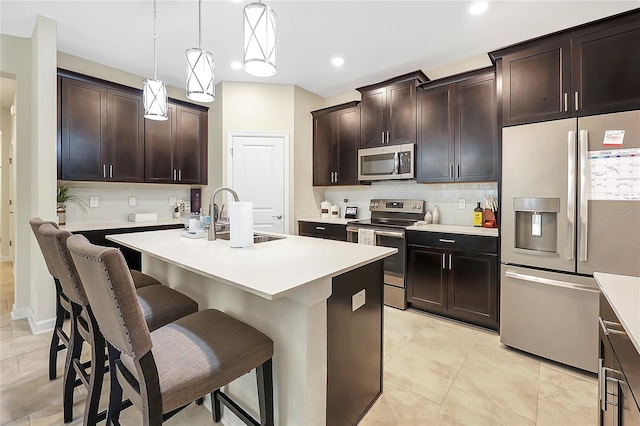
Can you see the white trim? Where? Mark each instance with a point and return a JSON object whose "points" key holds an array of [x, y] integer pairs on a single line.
{"points": [[5, 258], [37, 327], [287, 166]]}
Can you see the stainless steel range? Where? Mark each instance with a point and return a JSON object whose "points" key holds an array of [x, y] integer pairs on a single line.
{"points": [[386, 228]]}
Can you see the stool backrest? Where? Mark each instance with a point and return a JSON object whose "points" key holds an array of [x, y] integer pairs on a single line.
{"points": [[53, 243], [112, 295], [35, 224]]}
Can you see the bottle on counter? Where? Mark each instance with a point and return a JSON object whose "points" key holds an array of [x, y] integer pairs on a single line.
{"points": [[477, 216], [436, 214], [428, 217]]}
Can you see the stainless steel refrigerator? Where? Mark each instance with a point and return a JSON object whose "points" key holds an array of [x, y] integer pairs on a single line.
{"points": [[570, 207]]}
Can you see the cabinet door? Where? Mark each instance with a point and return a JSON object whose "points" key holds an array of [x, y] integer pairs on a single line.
{"points": [[323, 149], [427, 279], [401, 110], [476, 140], [435, 151], [125, 133], [159, 138], [606, 70], [373, 127], [190, 146], [83, 133], [473, 287], [347, 142], [535, 84]]}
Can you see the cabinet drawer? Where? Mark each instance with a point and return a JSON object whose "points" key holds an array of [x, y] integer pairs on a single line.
{"points": [[330, 231], [475, 243]]}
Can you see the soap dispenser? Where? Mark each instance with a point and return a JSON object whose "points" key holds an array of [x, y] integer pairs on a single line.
{"points": [[428, 217]]}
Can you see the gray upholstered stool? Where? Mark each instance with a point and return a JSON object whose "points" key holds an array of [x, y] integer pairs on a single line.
{"points": [[162, 306], [164, 370]]}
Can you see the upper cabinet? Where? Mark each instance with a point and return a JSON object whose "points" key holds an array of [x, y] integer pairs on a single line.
{"points": [[336, 139], [582, 71], [176, 149], [457, 129], [388, 111], [101, 133], [103, 136]]}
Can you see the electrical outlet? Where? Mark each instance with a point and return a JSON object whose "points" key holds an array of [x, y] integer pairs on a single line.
{"points": [[172, 201], [462, 203], [346, 200], [132, 201], [94, 202]]}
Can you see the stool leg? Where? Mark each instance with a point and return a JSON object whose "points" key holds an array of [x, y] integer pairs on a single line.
{"points": [[55, 339], [115, 390], [97, 370], [216, 411], [264, 376], [73, 352]]}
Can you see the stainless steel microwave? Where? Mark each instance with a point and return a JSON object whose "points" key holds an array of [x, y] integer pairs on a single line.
{"points": [[387, 162]]}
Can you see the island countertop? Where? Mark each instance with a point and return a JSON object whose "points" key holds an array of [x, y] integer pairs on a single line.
{"points": [[270, 270]]}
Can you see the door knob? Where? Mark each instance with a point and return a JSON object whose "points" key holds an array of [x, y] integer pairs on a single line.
{"points": [[277, 217]]}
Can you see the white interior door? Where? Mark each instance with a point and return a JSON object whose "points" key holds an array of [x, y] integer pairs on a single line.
{"points": [[258, 171]]}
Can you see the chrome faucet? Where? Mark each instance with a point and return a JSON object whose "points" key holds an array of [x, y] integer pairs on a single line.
{"points": [[212, 226]]}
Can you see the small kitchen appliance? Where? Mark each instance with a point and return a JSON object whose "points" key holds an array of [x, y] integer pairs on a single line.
{"points": [[389, 219], [386, 163]]}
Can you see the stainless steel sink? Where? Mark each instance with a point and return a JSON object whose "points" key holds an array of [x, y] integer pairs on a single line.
{"points": [[257, 238]]}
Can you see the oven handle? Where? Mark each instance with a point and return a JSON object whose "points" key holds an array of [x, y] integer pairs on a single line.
{"points": [[380, 232]]}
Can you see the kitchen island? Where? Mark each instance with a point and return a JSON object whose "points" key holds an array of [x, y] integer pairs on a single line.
{"points": [[284, 288]]}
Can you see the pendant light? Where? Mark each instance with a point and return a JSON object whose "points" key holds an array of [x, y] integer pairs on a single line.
{"points": [[259, 53], [154, 92], [200, 86]]}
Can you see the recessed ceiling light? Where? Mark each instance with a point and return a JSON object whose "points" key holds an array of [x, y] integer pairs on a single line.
{"points": [[337, 61], [236, 65], [478, 7]]}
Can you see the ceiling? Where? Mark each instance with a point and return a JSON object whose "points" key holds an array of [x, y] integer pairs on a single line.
{"points": [[378, 39]]}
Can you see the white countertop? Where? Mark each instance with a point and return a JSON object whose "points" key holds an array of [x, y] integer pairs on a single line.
{"points": [[337, 221], [79, 227], [270, 270], [623, 294], [456, 229]]}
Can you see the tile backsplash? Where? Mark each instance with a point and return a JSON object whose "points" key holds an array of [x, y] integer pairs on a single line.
{"points": [[445, 196], [113, 200]]}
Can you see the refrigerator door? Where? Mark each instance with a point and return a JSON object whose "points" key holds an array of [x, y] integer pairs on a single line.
{"points": [[549, 314], [538, 195], [609, 194]]}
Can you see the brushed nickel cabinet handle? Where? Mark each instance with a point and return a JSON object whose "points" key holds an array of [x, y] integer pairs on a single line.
{"points": [[566, 102], [576, 99], [110, 171]]}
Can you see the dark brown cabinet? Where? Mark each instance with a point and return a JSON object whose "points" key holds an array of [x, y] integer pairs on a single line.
{"points": [[101, 133], [388, 111], [457, 129], [618, 372], [336, 139], [581, 71], [327, 231], [103, 136], [176, 149], [454, 275]]}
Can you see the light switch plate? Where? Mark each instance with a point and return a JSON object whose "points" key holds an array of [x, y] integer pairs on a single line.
{"points": [[93, 202], [172, 201], [358, 300], [132, 201], [462, 203]]}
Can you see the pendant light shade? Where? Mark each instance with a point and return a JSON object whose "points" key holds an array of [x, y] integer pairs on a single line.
{"points": [[154, 92], [259, 53], [154, 98], [200, 85]]}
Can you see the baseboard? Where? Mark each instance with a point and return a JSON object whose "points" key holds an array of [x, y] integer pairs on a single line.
{"points": [[37, 327], [5, 258]]}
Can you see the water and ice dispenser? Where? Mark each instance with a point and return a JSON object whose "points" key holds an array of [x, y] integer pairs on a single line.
{"points": [[536, 225]]}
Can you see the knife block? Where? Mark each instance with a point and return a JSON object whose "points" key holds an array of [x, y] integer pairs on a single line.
{"points": [[489, 219]]}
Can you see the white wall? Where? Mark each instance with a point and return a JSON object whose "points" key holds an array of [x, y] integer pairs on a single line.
{"points": [[6, 126]]}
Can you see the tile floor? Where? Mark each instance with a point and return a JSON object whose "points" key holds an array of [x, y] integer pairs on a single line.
{"points": [[437, 372]]}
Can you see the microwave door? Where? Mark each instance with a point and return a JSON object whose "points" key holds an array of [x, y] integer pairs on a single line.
{"points": [[378, 165]]}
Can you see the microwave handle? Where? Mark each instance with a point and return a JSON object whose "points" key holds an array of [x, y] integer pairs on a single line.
{"points": [[396, 163]]}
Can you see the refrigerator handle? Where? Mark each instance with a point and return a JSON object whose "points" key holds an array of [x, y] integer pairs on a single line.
{"points": [[583, 213], [571, 194]]}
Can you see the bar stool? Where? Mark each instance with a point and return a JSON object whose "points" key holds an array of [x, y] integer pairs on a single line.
{"points": [[162, 305], [59, 339], [163, 371]]}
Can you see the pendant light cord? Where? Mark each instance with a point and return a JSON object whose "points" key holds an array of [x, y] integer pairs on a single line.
{"points": [[199, 24], [155, 35]]}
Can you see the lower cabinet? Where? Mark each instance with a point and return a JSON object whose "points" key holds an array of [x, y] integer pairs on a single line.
{"points": [[454, 275], [328, 231], [618, 372]]}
